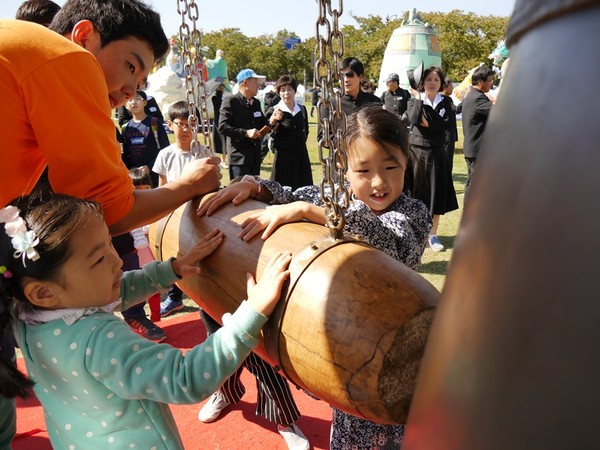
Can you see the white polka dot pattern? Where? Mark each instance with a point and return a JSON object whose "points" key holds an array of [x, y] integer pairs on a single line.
{"points": [[101, 374]]}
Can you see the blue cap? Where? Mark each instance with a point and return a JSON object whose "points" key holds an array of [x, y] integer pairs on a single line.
{"points": [[248, 73]]}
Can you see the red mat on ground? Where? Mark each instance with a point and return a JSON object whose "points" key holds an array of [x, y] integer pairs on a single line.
{"points": [[237, 428]]}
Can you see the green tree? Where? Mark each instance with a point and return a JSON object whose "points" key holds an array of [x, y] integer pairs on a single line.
{"points": [[238, 48], [466, 40]]}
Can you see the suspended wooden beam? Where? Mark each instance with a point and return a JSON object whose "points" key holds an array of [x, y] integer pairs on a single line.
{"points": [[351, 325]]}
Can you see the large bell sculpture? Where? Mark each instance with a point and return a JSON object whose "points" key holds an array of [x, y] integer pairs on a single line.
{"points": [[412, 43], [512, 361], [351, 325]]}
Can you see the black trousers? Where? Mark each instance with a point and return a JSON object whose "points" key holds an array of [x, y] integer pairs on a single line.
{"points": [[470, 167], [275, 402]]}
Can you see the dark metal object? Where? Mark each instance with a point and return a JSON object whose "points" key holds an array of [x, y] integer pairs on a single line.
{"points": [[512, 361]]}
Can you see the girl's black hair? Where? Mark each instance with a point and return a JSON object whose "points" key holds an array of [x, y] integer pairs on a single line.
{"points": [[54, 218], [375, 123], [386, 128]]}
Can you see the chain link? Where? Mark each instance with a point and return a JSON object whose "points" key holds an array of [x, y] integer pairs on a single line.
{"points": [[195, 89], [332, 119]]}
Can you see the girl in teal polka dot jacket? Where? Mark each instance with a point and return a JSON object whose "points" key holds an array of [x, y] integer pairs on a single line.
{"points": [[99, 382]]}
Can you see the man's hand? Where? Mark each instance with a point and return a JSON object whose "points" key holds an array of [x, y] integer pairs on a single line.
{"points": [[203, 175], [253, 133]]}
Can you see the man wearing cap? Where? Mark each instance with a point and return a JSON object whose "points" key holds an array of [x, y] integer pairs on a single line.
{"points": [[240, 121], [395, 99]]}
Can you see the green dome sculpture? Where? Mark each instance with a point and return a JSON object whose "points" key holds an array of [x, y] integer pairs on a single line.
{"points": [[411, 43]]}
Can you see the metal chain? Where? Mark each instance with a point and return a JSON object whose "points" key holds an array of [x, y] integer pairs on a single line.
{"points": [[195, 88], [332, 119]]}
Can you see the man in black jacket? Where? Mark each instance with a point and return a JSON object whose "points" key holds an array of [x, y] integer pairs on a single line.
{"points": [[354, 97], [395, 99], [476, 108], [241, 120]]}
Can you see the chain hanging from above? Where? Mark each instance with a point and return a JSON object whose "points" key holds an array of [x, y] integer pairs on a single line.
{"points": [[332, 120], [195, 89]]}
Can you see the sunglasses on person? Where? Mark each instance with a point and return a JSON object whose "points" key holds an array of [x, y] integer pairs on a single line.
{"points": [[349, 74]]}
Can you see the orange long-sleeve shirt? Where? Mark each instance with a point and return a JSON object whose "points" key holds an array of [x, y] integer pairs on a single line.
{"points": [[54, 111]]}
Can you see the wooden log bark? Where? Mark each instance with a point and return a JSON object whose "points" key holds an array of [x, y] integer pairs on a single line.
{"points": [[352, 322]]}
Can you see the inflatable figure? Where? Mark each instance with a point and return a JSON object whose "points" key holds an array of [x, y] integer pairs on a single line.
{"points": [[217, 68], [175, 59], [500, 53]]}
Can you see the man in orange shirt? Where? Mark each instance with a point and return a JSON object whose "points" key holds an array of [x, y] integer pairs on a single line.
{"points": [[57, 96], [57, 93]]}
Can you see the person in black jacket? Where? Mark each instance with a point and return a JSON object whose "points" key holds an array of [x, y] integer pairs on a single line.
{"points": [[476, 108], [314, 98], [430, 114], [240, 121], [151, 109], [217, 100], [354, 98], [452, 131], [395, 99], [291, 166]]}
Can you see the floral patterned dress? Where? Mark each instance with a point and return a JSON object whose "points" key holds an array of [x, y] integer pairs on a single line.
{"points": [[401, 232]]}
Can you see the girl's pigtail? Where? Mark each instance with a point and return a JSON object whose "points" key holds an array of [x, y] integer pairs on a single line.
{"points": [[14, 383]]}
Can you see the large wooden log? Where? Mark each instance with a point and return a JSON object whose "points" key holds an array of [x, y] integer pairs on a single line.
{"points": [[352, 322], [513, 361]]}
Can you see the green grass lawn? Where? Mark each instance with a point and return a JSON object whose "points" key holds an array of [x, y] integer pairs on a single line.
{"points": [[434, 265]]}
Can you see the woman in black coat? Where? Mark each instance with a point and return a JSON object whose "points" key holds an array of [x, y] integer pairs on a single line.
{"points": [[430, 115], [291, 166]]}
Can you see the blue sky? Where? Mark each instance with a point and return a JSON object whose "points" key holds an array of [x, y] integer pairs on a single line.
{"points": [[269, 16]]}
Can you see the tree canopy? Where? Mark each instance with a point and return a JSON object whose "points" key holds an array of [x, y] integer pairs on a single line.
{"points": [[466, 40]]}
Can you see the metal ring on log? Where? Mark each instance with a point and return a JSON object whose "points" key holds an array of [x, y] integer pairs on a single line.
{"points": [[297, 267], [355, 323]]}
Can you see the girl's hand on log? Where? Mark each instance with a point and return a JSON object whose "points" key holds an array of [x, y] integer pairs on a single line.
{"points": [[269, 220], [235, 193], [187, 265], [275, 216], [264, 295]]}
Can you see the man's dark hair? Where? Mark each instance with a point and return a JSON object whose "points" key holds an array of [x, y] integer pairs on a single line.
{"points": [[354, 65], [481, 74], [38, 11], [270, 99], [114, 20]]}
